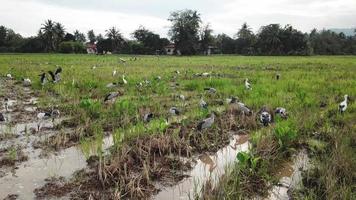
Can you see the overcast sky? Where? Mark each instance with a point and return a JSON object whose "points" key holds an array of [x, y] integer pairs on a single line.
{"points": [[225, 16]]}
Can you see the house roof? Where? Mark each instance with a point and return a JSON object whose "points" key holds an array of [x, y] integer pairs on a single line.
{"points": [[170, 46]]}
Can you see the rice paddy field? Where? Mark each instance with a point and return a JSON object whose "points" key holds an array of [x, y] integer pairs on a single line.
{"points": [[133, 147]]}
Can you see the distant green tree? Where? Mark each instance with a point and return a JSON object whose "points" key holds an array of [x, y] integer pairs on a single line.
{"points": [[71, 47], [32, 45], [269, 40], [69, 37], [184, 31], [59, 33], [47, 34], [206, 38], [91, 36], [116, 38], [150, 41], [225, 43], [245, 40], [294, 41], [79, 37], [3, 32]]}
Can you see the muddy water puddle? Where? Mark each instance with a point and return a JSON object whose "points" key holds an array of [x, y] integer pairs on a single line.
{"points": [[208, 168], [31, 174], [291, 176]]}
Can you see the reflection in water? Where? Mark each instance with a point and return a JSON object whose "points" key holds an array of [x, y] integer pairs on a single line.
{"points": [[291, 176], [32, 173], [207, 168]]}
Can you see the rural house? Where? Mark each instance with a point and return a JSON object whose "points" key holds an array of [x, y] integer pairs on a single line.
{"points": [[91, 48]]}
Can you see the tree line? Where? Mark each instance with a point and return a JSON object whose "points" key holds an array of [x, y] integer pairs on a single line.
{"points": [[190, 37]]}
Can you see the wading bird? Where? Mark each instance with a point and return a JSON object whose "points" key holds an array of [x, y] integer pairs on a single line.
{"points": [[203, 104], [343, 104], [2, 117], [247, 84], [210, 90], [206, 123], [111, 85], [148, 117], [244, 109], [6, 104], [231, 100], [43, 79], [281, 111], [123, 79], [114, 73], [26, 82], [111, 96], [182, 97], [174, 111], [265, 117], [9, 76], [122, 60], [56, 76], [205, 74], [47, 115]]}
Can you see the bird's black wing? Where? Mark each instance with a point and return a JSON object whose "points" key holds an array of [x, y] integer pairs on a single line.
{"points": [[58, 70], [2, 118], [200, 125], [107, 97], [52, 75]]}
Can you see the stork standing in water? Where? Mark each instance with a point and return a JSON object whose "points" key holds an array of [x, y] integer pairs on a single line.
{"points": [[56, 76], [343, 104], [206, 123], [26, 82], [42, 116], [247, 84]]}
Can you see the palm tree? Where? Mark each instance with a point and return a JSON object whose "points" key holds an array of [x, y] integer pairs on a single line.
{"points": [[47, 31], [59, 33], [79, 37], [115, 36]]}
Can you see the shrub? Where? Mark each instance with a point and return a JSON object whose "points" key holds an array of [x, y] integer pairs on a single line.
{"points": [[285, 133], [71, 47]]}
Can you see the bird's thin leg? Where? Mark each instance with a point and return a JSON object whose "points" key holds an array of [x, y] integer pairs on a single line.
{"points": [[38, 126]]}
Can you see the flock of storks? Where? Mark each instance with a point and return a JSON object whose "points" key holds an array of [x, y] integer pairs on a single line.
{"points": [[265, 116]]}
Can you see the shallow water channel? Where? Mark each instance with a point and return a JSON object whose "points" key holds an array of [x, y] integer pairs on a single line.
{"points": [[208, 168]]}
